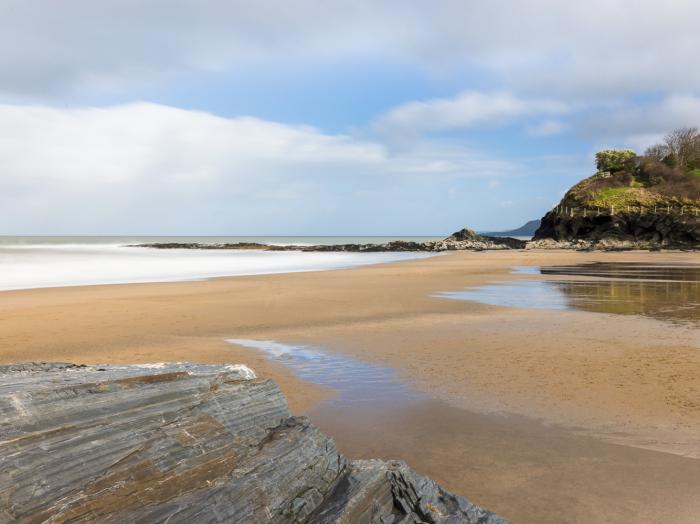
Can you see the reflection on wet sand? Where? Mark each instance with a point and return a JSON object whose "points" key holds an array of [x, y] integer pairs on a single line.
{"points": [[519, 467], [664, 292]]}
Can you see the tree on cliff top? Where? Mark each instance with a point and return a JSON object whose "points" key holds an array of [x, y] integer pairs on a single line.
{"points": [[666, 170], [680, 148]]}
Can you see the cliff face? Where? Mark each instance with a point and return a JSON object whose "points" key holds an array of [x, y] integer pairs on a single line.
{"points": [[647, 205], [658, 229], [187, 443]]}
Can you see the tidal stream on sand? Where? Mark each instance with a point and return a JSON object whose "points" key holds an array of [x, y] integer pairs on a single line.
{"points": [[523, 469], [520, 467]]}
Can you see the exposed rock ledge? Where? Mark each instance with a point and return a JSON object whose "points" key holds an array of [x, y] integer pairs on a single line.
{"points": [[465, 239], [188, 443], [623, 231], [605, 244]]}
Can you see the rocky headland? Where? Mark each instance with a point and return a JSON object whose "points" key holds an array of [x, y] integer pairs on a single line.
{"points": [[188, 443], [632, 202], [465, 239]]}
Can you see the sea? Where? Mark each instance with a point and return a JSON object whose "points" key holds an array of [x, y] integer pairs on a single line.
{"points": [[28, 262]]}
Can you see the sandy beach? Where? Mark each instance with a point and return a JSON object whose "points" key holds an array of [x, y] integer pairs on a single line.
{"points": [[591, 399]]}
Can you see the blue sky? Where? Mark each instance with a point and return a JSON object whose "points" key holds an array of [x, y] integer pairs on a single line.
{"points": [[271, 117]]}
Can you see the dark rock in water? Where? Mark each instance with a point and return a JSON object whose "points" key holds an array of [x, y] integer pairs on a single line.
{"points": [[197, 245], [462, 240], [507, 242], [469, 235], [188, 443], [465, 234]]}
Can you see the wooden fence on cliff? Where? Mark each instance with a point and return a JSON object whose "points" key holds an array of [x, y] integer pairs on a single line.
{"points": [[611, 210]]}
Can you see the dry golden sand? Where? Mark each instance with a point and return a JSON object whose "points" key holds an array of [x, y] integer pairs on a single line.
{"points": [[620, 378]]}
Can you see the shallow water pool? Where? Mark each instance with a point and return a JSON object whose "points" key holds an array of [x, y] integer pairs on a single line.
{"points": [[661, 291]]}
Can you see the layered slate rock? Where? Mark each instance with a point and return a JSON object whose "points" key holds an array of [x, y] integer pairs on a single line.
{"points": [[187, 443]]}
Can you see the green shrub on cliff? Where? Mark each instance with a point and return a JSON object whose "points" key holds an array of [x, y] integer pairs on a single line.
{"points": [[624, 179], [667, 175], [614, 160]]}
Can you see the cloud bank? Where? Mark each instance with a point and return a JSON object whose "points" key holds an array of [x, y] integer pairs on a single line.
{"points": [[642, 126], [122, 167], [504, 88], [597, 48], [468, 109]]}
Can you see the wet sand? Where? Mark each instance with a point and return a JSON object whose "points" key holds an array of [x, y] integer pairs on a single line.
{"points": [[521, 468], [563, 377]]}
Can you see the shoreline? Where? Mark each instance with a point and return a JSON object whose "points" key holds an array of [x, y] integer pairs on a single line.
{"points": [[90, 265], [330, 320], [564, 377]]}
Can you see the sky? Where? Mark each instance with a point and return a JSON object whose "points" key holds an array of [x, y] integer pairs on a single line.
{"points": [[271, 117]]}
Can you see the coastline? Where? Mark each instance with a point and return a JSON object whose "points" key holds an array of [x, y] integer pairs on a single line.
{"points": [[621, 379], [393, 306], [42, 266]]}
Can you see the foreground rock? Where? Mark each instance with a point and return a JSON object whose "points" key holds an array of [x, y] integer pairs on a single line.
{"points": [[188, 443], [462, 240]]}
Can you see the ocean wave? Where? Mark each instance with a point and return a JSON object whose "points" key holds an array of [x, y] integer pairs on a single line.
{"points": [[96, 264]]}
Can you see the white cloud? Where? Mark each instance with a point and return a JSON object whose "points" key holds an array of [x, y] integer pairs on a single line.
{"points": [[597, 48], [468, 109], [641, 125], [151, 168], [560, 61]]}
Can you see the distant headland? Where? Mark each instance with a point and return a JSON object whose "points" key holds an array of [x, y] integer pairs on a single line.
{"points": [[526, 230]]}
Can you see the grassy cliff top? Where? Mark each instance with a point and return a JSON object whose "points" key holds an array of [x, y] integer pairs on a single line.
{"points": [[643, 182]]}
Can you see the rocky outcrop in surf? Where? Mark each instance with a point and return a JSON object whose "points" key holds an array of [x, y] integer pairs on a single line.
{"points": [[465, 239], [188, 443]]}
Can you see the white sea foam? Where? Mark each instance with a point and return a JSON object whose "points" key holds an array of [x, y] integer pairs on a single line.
{"points": [[38, 266]]}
